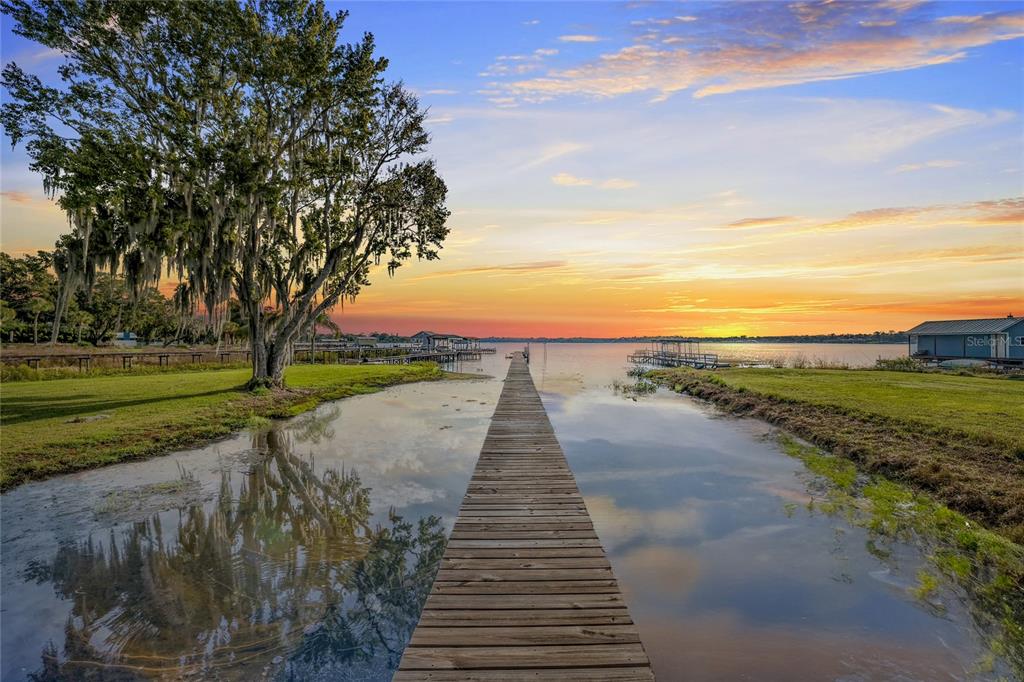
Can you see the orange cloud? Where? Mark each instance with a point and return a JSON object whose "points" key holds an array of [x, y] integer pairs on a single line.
{"points": [[23, 198], [754, 223], [1008, 212], [810, 43], [493, 269]]}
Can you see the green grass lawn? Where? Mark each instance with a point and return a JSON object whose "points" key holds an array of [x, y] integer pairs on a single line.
{"points": [[62, 425], [988, 408]]}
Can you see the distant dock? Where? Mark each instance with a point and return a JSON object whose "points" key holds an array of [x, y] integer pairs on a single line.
{"points": [[340, 352], [525, 591], [675, 353]]}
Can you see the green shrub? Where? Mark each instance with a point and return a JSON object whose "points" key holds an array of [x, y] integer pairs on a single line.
{"points": [[904, 364]]}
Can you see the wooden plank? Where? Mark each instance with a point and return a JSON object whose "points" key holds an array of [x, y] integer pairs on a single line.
{"points": [[531, 520], [538, 563], [499, 526], [528, 587], [631, 674], [505, 531], [522, 552], [460, 657], [490, 575], [479, 618], [524, 591], [527, 635]]}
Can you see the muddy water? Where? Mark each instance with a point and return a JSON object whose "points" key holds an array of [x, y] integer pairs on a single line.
{"points": [[304, 552]]}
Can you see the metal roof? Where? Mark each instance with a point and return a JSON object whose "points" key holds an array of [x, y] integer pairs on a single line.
{"points": [[435, 335], [986, 326]]}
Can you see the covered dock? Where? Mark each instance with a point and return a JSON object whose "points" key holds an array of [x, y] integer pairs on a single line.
{"points": [[674, 352]]}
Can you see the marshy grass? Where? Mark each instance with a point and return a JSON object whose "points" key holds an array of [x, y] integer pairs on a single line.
{"points": [[961, 554], [958, 438]]}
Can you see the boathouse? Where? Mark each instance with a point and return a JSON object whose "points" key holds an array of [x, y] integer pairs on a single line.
{"points": [[426, 340], [434, 341], [999, 339]]}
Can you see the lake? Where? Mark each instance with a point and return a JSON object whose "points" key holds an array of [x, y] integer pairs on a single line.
{"points": [[305, 551]]}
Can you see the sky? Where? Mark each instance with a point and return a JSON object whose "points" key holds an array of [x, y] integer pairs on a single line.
{"points": [[689, 168]]}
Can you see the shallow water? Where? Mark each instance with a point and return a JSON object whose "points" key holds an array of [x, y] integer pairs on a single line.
{"points": [[278, 555], [304, 552], [852, 354], [725, 571]]}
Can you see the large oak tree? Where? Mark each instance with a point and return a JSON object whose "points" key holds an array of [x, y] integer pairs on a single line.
{"points": [[242, 149]]}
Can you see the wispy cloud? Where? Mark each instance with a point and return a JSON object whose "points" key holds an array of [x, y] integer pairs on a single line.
{"points": [[618, 183], [1009, 212], [441, 91], [937, 163], [23, 198], [664, 21], [579, 38], [755, 223], [550, 153], [534, 266], [569, 180], [766, 45], [518, 64]]}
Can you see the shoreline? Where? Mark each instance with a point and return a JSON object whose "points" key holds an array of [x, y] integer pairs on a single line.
{"points": [[883, 475], [978, 476], [103, 420]]}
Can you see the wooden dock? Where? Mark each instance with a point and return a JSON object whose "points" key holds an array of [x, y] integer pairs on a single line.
{"points": [[525, 591]]}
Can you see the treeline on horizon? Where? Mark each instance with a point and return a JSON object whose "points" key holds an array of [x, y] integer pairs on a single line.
{"points": [[872, 337]]}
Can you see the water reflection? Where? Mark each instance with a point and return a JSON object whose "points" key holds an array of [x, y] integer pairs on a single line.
{"points": [[278, 562], [727, 573], [283, 576]]}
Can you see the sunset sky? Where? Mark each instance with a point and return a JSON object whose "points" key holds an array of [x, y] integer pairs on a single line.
{"points": [[691, 168]]}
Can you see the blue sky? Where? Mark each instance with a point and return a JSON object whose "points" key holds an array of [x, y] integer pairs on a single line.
{"points": [[693, 167]]}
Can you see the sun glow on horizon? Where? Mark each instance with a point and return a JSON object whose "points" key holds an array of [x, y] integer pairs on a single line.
{"points": [[654, 175]]}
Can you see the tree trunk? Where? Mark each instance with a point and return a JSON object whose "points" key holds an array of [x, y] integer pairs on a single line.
{"points": [[35, 330], [56, 329], [268, 363], [268, 359]]}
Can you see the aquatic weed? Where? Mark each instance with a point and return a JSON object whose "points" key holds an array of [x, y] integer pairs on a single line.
{"points": [[985, 565]]}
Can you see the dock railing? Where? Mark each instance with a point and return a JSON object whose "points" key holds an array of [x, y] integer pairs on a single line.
{"points": [[662, 358]]}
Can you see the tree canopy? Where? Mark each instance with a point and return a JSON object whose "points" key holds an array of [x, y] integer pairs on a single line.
{"points": [[242, 149]]}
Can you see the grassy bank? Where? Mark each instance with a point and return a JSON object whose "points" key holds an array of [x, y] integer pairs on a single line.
{"points": [[958, 438], [12, 373], [986, 566], [63, 425]]}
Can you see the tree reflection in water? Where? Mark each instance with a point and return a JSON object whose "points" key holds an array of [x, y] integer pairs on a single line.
{"points": [[285, 580]]}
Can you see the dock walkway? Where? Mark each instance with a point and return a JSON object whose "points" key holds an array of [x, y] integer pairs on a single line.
{"points": [[524, 590]]}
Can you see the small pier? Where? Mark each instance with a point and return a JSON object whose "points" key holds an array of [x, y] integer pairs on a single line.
{"points": [[442, 357], [329, 353], [675, 353], [524, 591]]}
